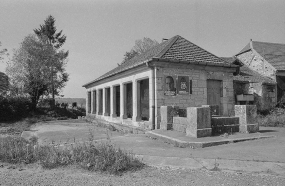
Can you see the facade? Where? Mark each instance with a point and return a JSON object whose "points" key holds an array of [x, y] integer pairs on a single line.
{"points": [[268, 60], [174, 73]]}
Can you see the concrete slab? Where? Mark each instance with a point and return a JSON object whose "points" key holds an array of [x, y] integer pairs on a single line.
{"points": [[179, 139]]}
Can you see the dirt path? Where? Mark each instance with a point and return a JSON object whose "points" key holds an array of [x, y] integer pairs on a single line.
{"points": [[34, 175]]}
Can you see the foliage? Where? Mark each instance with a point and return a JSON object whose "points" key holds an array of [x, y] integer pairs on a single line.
{"points": [[103, 157], [130, 55], [14, 108], [275, 118], [3, 52], [47, 33], [29, 70], [74, 104], [141, 46]]}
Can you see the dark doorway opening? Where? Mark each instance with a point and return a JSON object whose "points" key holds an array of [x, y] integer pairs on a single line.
{"points": [[117, 102], [144, 99], [129, 101], [100, 102]]}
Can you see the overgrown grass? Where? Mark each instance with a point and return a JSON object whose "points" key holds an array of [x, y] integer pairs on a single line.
{"points": [[274, 118], [92, 156]]}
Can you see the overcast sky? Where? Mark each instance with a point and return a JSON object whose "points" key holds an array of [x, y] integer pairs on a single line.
{"points": [[99, 32]]}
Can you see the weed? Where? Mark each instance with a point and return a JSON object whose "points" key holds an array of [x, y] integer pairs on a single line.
{"points": [[103, 157], [276, 117]]}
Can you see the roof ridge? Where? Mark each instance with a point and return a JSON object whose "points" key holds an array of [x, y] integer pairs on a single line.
{"points": [[268, 43], [167, 47]]}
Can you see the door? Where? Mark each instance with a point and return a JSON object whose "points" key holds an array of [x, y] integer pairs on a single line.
{"points": [[214, 93]]}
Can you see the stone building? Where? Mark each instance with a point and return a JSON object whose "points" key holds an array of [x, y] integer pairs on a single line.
{"points": [[266, 60], [174, 73], [248, 82]]}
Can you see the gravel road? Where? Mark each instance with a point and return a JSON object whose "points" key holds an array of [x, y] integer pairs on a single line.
{"points": [[35, 175]]}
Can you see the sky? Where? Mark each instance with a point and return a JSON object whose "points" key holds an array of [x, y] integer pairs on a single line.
{"points": [[99, 32]]}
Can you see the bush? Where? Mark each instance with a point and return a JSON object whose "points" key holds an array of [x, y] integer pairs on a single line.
{"points": [[14, 108], [273, 118]]}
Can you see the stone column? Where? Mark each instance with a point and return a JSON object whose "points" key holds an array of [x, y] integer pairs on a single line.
{"points": [[87, 103], [151, 102], [123, 101], [107, 102], [100, 102], [113, 101], [136, 101], [166, 113], [104, 101], [247, 118], [97, 101], [92, 102], [199, 122]]}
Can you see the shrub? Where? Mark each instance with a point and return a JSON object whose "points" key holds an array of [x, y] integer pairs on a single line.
{"points": [[275, 117], [14, 108]]}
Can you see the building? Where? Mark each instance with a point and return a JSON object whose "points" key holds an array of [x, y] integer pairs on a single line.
{"points": [[175, 72], [266, 60], [248, 82]]}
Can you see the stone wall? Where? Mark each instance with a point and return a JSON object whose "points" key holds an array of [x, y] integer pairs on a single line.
{"points": [[198, 96]]}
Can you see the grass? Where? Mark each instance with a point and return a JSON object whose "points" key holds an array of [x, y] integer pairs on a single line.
{"points": [[104, 157], [275, 118]]}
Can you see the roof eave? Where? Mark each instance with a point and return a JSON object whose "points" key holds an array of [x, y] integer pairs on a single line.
{"points": [[97, 80]]}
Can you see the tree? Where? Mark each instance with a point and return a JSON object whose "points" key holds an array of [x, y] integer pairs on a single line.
{"points": [[47, 33], [2, 52], [141, 46], [29, 70]]}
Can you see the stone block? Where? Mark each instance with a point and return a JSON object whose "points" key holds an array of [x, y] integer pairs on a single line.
{"points": [[247, 118], [166, 114], [246, 113], [198, 120]]}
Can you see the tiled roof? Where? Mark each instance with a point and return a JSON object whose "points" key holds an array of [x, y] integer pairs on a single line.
{"points": [[273, 53], [248, 75], [175, 49], [3, 82]]}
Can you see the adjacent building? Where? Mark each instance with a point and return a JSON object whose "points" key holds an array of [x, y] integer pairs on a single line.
{"points": [[266, 60]]}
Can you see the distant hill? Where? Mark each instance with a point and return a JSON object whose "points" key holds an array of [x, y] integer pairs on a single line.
{"points": [[81, 102]]}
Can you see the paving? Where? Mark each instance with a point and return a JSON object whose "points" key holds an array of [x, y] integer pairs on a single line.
{"points": [[263, 155]]}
